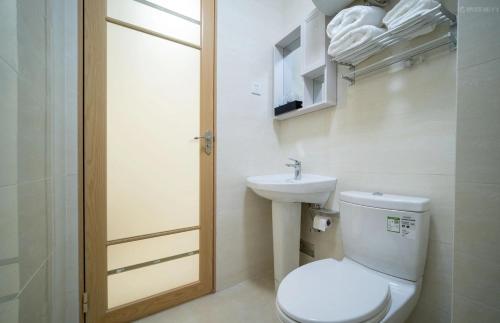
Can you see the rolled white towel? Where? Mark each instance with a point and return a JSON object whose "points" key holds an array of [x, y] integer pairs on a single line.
{"points": [[406, 9], [354, 38], [350, 18]]}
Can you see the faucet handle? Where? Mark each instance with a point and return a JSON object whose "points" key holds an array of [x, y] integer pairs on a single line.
{"points": [[298, 162]]}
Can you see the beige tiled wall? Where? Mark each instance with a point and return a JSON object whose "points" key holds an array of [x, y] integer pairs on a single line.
{"points": [[476, 276], [37, 130], [24, 180], [62, 18], [9, 233], [246, 140]]}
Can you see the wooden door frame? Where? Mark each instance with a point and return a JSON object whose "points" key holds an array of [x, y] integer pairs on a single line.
{"points": [[92, 170], [81, 224]]}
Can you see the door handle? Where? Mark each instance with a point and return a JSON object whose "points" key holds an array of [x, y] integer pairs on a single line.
{"points": [[208, 138]]}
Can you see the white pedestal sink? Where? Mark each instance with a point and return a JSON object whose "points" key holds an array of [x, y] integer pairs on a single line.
{"points": [[287, 194]]}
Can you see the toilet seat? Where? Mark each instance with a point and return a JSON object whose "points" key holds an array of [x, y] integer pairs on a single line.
{"points": [[331, 291], [376, 319]]}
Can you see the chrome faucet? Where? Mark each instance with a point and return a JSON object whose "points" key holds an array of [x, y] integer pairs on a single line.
{"points": [[297, 165]]}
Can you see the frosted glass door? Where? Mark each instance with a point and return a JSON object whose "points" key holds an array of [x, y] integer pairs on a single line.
{"points": [[148, 177], [153, 115], [153, 162]]}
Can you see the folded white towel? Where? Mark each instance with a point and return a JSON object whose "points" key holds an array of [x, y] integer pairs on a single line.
{"points": [[407, 9], [354, 38], [350, 18]]}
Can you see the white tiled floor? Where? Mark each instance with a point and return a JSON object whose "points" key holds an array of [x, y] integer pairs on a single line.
{"points": [[251, 301]]}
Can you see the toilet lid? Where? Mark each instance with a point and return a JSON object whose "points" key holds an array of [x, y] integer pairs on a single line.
{"points": [[333, 291]]}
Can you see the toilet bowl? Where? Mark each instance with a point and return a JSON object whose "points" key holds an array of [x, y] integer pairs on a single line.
{"points": [[344, 291], [379, 279]]}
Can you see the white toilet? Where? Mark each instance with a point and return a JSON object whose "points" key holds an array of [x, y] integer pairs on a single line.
{"points": [[379, 280]]}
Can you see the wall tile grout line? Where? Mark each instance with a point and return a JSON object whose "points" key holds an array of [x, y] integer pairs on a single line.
{"points": [[6, 298], [9, 65], [9, 261]]}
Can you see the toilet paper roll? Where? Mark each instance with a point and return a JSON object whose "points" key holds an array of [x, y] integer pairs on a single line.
{"points": [[321, 222]]}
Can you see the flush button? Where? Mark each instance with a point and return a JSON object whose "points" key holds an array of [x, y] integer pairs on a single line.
{"points": [[378, 193]]}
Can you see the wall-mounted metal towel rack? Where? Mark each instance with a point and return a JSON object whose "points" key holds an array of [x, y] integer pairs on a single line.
{"points": [[448, 39], [408, 30]]}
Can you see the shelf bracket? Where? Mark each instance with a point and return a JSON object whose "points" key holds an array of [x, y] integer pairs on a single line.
{"points": [[453, 37], [351, 66], [350, 79]]}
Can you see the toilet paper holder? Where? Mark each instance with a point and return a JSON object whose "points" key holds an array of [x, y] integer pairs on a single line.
{"points": [[316, 210]]}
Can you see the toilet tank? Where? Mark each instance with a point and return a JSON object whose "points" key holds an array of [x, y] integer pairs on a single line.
{"points": [[388, 233]]}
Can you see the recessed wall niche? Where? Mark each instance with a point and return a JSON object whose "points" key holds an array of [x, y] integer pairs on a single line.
{"points": [[302, 70]]}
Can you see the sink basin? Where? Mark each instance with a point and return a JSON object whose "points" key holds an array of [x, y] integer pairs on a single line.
{"points": [[287, 194], [284, 188]]}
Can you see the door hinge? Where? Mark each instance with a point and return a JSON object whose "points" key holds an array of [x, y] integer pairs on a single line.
{"points": [[85, 302]]}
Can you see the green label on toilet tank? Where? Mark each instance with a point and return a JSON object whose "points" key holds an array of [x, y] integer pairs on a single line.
{"points": [[393, 224]]}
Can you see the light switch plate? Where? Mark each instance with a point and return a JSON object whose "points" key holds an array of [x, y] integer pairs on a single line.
{"points": [[256, 88]]}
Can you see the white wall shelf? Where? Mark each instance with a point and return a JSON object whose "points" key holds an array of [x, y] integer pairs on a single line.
{"points": [[317, 73], [304, 110]]}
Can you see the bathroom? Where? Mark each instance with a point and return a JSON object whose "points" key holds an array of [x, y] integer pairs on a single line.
{"points": [[411, 127]]}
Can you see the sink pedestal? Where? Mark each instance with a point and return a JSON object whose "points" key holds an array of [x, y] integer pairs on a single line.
{"points": [[286, 238], [287, 194]]}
